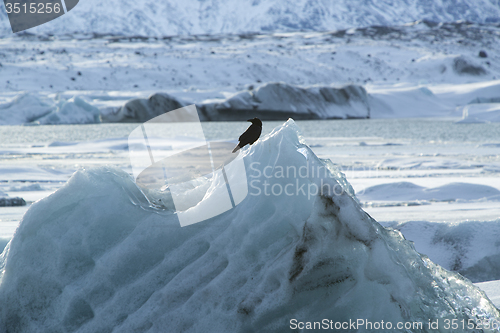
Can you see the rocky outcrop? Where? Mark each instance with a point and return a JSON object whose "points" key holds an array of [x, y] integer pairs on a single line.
{"points": [[10, 202], [463, 66], [280, 101], [140, 110]]}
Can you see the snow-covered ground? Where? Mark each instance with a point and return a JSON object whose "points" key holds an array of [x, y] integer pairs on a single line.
{"points": [[172, 17], [418, 70]]}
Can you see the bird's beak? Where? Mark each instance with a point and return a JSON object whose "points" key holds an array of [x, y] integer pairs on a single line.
{"points": [[250, 120]]}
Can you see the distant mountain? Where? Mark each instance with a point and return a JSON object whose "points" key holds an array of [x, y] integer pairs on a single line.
{"points": [[174, 17]]}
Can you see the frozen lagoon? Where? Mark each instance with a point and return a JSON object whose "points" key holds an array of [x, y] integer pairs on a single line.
{"points": [[428, 153]]}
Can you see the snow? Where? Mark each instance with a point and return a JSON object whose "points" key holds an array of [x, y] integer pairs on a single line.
{"points": [[467, 247], [172, 17], [408, 102], [492, 289], [32, 187], [480, 113], [95, 256], [431, 101], [406, 71], [407, 191]]}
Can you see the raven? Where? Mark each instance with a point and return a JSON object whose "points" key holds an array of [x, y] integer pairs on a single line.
{"points": [[250, 135]]}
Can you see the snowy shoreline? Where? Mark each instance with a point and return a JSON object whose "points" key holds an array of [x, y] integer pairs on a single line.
{"points": [[468, 103], [415, 70]]}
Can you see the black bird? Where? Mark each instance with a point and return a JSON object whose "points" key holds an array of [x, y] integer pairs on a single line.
{"points": [[250, 135]]}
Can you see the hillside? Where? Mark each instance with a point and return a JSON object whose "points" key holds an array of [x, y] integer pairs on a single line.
{"points": [[154, 18]]}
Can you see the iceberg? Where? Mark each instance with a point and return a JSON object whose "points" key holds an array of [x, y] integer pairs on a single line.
{"points": [[6, 201], [11, 202], [99, 256], [73, 111], [481, 113], [28, 108], [269, 101], [278, 100], [25, 108], [141, 110]]}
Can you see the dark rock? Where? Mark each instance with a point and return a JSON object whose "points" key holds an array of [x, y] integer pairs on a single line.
{"points": [[430, 24], [141, 110], [11, 202], [479, 100], [482, 54], [280, 101], [462, 66]]}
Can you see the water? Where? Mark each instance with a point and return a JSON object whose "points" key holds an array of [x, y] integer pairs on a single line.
{"points": [[418, 130]]}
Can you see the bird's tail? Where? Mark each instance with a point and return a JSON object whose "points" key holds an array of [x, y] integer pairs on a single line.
{"points": [[236, 148]]}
